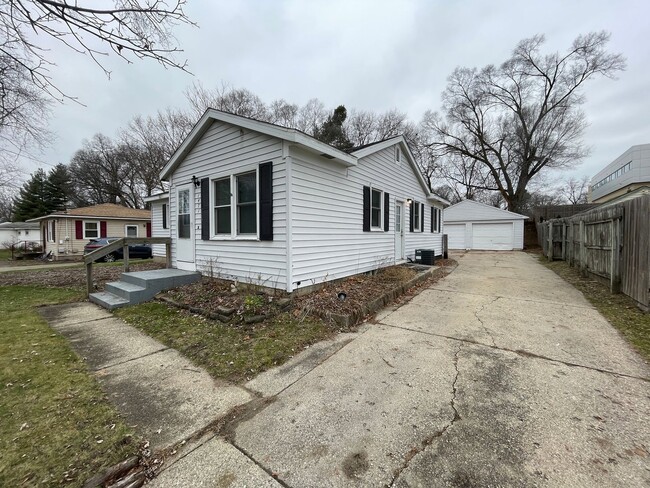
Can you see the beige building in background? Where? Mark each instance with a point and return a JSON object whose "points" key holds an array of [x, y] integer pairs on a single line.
{"points": [[66, 233]]}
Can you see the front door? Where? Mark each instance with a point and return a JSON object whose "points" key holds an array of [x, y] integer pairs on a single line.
{"points": [[184, 229], [399, 231]]}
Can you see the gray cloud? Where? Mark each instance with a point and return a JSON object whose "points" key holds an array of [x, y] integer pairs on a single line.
{"points": [[372, 55]]}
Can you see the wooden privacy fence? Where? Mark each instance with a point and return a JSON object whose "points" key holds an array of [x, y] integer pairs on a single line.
{"points": [[610, 242]]}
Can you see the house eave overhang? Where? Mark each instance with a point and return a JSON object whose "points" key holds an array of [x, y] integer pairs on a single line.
{"points": [[157, 197], [292, 136], [367, 151], [85, 217]]}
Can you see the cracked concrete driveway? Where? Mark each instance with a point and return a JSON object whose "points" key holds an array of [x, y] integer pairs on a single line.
{"points": [[499, 375]]}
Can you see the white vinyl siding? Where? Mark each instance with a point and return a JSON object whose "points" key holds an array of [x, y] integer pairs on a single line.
{"points": [[327, 227], [157, 230], [225, 150]]}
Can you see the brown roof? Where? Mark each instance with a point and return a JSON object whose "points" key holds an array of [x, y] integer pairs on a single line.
{"points": [[103, 210]]}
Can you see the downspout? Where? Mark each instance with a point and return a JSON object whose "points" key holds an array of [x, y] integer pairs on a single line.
{"points": [[288, 234]]}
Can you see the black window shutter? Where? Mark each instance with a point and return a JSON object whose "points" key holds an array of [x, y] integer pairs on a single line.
{"points": [[422, 217], [205, 209], [439, 220], [412, 214], [164, 215], [366, 209], [266, 201], [386, 212], [433, 216]]}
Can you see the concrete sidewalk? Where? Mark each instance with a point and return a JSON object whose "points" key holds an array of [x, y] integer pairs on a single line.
{"points": [[156, 389]]}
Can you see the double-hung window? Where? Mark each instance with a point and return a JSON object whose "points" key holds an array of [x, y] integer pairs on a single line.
{"points": [[247, 203], [416, 216], [131, 231], [91, 230], [376, 209], [222, 207], [50, 231], [235, 200]]}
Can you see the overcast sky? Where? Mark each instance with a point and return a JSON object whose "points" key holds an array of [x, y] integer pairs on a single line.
{"points": [[373, 55]]}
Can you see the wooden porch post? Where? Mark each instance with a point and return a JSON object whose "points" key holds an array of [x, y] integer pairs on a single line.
{"points": [[125, 255], [168, 253], [89, 279]]}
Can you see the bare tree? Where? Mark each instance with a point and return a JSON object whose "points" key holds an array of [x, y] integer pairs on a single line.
{"points": [[238, 101], [311, 116], [283, 113], [7, 196], [575, 190], [148, 143], [524, 116], [129, 28]]}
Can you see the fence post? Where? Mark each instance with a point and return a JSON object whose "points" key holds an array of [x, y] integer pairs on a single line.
{"points": [[550, 241], [445, 246], [89, 278], [564, 246], [583, 255], [168, 253], [615, 262], [125, 256]]}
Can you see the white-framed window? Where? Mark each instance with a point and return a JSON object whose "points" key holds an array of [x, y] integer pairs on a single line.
{"points": [[398, 154], [91, 229], [130, 231], [376, 208], [50, 231], [222, 206], [235, 205], [437, 221], [416, 216]]}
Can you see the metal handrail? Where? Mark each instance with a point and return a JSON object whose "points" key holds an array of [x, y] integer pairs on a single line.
{"points": [[123, 243]]}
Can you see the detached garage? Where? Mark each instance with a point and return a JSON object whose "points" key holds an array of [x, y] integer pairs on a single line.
{"points": [[473, 225]]}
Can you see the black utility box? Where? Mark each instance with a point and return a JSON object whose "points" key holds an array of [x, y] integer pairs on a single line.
{"points": [[425, 256]]}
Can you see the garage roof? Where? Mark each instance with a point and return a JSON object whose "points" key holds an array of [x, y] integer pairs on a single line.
{"points": [[471, 211]]}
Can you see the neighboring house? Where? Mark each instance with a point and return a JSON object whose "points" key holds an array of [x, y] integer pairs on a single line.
{"points": [[159, 204], [261, 203], [474, 225], [12, 232], [66, 233], [628, 172]]}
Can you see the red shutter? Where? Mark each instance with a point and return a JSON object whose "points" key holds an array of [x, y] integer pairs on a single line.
{"points": [[102, 229], [78, 229], [148, 229]]}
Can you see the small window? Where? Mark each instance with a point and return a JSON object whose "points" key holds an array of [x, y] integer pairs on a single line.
{"points": [[91, 230], [131, 231], [416, 215], [246, 203], [375, 208], [50, 231], [165, 216], [436, 219], [398, 154], [222, 219]]}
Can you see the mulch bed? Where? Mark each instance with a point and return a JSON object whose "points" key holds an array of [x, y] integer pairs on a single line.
{"points": [[71, 277], [211, 296]]}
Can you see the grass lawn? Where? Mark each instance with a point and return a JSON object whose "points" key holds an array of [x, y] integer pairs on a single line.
{"points": [[56, 427], [620, 310], [227, 351], [5, 254]]}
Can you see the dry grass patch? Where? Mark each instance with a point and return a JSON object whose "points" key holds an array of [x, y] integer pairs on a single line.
{"points": [[56, 426]]}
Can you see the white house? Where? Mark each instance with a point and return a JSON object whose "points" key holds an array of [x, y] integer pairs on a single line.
{"points": [[12, 232], [474, 225], [160, 227], [262, 203]]}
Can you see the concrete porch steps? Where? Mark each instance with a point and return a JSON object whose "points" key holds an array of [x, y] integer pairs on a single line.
{"points": [[141, 286]]}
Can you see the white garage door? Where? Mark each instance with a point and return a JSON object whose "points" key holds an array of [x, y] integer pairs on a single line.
{"points": [[456, 236], [492, 237]]}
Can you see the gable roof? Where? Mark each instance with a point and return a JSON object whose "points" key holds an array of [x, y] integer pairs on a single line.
{"points": [[103, 210], [368, 149], [18, 225], [469, 210], [291, 135], [296, 137]]}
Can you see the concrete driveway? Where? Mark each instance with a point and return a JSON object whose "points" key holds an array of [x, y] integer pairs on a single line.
{"points": [[499, 375]]}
